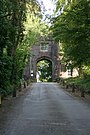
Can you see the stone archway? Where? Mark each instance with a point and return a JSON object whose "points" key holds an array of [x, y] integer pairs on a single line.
{"points": [[45, 49], [45, 64]]}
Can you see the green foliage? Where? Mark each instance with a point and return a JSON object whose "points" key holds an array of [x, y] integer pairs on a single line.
{"points": [[20, 28], [83, 83], [5, 73], [13, 53], [44, 69], [72, 29]]}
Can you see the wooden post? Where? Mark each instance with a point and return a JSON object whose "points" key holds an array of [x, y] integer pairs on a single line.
{"points": [[20, 86], [82, 93], [66, 86], [0, 99], [63, 82], [73, 88], [24, 84], [14, 90], [27, 82]]}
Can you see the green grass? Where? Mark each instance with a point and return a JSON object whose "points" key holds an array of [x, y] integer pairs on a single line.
{"points": [[80, 82]]}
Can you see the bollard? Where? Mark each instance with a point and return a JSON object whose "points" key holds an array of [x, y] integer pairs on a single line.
{"points": [[24, 84], [0, 99], [82, 93], [63, 83], [66, 86], [27, 82], [14, 91], [73, 88], [20, 86]]}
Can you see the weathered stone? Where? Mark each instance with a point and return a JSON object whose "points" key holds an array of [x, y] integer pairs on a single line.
{"points": [[39, 53]]}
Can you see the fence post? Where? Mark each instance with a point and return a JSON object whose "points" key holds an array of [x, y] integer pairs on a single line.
{"points": [[14, 90], [0, 98], [73, 88], [82, 93], [63, 82], [24, 84], [67, 86]]}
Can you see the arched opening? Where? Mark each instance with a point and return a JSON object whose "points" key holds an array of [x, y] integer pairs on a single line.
{"points": [[44, 70]]}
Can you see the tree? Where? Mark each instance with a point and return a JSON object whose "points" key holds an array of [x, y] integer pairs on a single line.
{"points": [[12, 18], [72, 28], [44, 68]]}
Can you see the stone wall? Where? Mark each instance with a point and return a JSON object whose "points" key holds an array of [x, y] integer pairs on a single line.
{"points": [[44, 49]]}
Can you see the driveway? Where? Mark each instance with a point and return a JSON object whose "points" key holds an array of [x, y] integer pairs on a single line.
{"points": [[46, 109]]}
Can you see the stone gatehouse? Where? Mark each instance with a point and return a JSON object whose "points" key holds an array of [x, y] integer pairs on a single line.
{"points": [[45, 49]]}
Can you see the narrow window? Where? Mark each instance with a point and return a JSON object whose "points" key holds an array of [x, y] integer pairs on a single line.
{"points": [[44, 47]]}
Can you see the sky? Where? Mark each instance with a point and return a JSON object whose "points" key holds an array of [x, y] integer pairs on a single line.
{"points": [[49, 6]]}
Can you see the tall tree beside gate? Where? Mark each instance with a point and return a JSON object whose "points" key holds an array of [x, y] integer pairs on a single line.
{"points": [[12, 31], [72, 28]]}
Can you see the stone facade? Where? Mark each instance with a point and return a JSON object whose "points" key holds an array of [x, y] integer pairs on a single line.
{"points": [[45, 49]]}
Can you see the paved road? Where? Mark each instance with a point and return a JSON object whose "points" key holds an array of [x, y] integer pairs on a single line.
{"points": [[46, 110]]}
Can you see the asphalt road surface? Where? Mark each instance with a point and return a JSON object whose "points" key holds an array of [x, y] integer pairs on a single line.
{"points": [[46, 109]]}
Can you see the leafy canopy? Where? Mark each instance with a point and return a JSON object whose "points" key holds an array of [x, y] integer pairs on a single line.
{"points": [[72, 29]]}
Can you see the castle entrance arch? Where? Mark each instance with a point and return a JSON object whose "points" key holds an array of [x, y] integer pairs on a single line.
{"points": [[44, 68], [45, 49]]}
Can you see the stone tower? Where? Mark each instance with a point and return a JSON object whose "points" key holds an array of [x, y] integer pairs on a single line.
{"points": [[45, 49]]}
